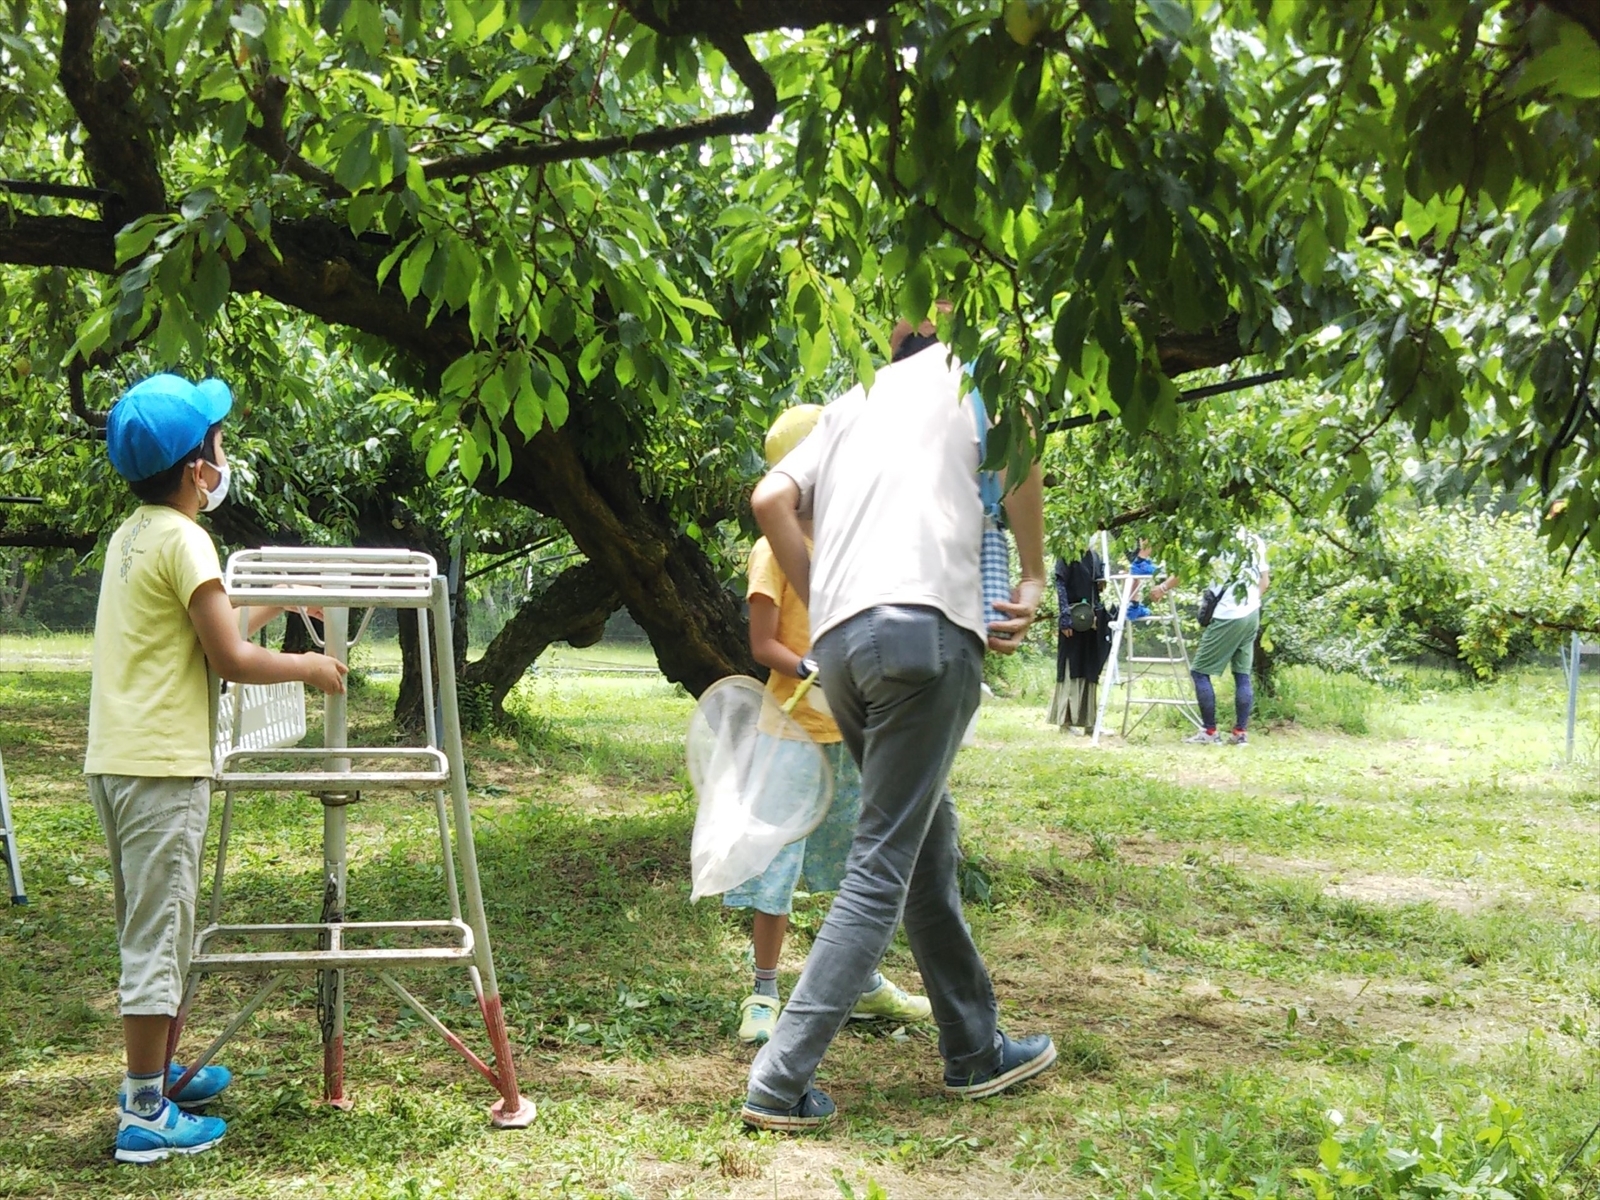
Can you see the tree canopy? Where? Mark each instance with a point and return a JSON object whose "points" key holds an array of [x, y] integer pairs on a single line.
{"points": [[575, 255]]}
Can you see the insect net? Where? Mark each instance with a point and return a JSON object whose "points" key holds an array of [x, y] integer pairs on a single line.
{"points": [[760, 782]]}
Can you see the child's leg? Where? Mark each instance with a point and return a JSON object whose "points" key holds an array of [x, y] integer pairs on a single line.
{"points": [[155, 829], [768, 939]]}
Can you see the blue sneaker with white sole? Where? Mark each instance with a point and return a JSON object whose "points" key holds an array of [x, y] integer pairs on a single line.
{"points": [[811, 1112], [1020, 1059], [207, 1084], [168, 1131]]}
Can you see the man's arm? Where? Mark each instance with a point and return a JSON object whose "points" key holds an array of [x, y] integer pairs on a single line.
{"points": [[1025, 514], [775, 504], [231, 656]]}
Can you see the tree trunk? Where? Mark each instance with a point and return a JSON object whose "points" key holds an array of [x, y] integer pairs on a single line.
{"points": [[572, 609], [696, 626]]}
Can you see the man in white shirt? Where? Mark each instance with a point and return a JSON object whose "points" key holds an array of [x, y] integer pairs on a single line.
{"points": [[1230, 638], [889, 478]]}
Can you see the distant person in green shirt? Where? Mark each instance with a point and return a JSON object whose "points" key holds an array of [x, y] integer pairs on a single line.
{"points": [[162, 620]]}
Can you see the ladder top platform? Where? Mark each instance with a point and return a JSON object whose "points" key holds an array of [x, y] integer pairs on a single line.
{"points": [[297, 576]]}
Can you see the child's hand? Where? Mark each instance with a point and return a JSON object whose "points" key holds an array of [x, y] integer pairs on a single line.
{"points": [[324, 673]]}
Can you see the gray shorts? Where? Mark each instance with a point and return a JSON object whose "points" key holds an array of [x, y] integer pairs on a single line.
{"points": [[155, 830]]}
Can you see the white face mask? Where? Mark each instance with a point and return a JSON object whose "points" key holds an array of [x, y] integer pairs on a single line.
{"points": [[215, 496]]}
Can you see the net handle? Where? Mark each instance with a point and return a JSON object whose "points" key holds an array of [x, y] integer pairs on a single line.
{"points": [[799, 694]]}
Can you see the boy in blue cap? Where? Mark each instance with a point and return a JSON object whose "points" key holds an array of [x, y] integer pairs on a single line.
{"points": [[163, 618]]}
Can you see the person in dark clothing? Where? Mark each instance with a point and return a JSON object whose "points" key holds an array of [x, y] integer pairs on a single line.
{"points": [[1080, 652]]}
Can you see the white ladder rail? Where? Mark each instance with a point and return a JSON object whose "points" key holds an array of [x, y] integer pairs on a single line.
{"points": [[8, 842]]}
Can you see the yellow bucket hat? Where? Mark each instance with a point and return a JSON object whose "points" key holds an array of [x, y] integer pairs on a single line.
{"points": [[791, 428]]}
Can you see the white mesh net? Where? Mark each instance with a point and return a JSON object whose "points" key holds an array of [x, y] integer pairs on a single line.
{"points": [[759, 780]]}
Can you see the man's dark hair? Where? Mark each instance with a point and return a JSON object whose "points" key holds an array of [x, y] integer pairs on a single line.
{"points": [[914, 343], [158, 488]]}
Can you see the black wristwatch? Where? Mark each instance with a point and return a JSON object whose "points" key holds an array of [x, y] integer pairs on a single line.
{"points": [[805, 668]]}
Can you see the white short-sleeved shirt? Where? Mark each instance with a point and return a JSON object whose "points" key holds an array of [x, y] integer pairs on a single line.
{"points": [[1245, 565], [890, 479]]}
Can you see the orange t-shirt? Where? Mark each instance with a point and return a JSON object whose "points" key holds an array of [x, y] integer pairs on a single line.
{"points": [[794, 631]]}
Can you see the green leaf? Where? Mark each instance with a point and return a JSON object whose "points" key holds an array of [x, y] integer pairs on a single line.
{"points": [[393, 257], [250, 21], [332, 15], [555, 406], [135, 239], [492, 395], [1582, 240], [196, 203], [91, 336], [1124, 365], [460, 376], [1171, 17], [354, 168], [210, 288], [528, 411], [916, 295], [411, 270], [1311, 250], [438, 455], [483, 317], [589, 360], [1336, 215], [1569, 67], [471, 457]]}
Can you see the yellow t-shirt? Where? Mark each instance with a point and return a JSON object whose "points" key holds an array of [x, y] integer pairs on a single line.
{"points": [[150, 694], [794, 631]]}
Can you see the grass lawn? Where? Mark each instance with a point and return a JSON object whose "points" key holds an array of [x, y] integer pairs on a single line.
{"points": [[1330, 963]]}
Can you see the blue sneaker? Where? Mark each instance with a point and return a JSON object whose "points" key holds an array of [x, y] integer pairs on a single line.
{"points": [[170, 1131], [813, 1111], [1137, 612], [206, 1086], [1019, 1060]]}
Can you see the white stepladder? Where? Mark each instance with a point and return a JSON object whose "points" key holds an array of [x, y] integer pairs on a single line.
{"points": [[337, 774], [1160, 678], [1571, 665], [8, 841]]}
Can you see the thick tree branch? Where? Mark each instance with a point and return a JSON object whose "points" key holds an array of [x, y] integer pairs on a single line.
{"points": [[55, 191], [29, 241], [755, 119], [1180, 352], [272, 141], [573, 609], [80, 406], [694, 18], [119, 150], [45, 537]]}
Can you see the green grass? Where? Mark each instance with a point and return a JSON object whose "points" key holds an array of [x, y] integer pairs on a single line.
{"points": [[1328, 938]]}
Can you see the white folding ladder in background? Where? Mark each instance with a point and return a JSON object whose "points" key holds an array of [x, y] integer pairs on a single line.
{"points": [[8, 841], [337, 580], [1148, 681]]}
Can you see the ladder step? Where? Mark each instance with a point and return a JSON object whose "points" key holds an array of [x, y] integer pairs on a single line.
{"points": [[430, 769], [331, 577], [338, 954]]}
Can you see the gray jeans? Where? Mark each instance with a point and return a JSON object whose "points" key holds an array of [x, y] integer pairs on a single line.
{"points": [[902, 683]]}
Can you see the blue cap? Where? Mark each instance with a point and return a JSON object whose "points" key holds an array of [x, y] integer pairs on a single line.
{"points": [[159, 420]]}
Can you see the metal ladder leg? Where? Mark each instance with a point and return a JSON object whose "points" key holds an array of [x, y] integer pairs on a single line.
{"points": [[335, 825], [512, 1110], [8, 841]]}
